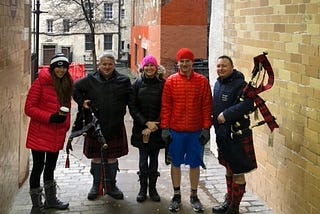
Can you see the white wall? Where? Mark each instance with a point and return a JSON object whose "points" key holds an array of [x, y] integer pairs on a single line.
{"points": [[215, 49]]}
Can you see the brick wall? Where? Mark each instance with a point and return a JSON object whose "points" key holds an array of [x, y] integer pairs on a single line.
{"points": [[14, 82], [288, 175], [163, 28]]}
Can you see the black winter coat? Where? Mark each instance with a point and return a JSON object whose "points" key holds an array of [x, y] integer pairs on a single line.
{"points": [[109, 99], [237, 151], [145, 106], [226, 96]]}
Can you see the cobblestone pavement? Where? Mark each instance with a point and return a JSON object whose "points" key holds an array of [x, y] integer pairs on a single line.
{"points": [[75, 182]]}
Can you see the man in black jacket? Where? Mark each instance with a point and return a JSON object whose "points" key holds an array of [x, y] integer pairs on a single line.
{"points": [[107, 93], [230, 114]]}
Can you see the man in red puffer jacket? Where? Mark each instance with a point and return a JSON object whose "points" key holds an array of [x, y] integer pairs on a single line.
{"points": [[186, 120]]}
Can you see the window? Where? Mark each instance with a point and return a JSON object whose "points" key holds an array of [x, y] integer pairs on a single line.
{"points": [[122, 45], [108, 12], [90, 12], [136, 55], [108, 42], [50, 25], [88, 42], [122, 14], [144, 52], [66, 25]]}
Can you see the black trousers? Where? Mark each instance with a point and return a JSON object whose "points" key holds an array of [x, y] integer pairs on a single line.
{"points": [[148, 160], [42, 160]]}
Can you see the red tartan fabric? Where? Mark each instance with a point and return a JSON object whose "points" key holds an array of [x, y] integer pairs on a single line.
{"points": [[247, 142], [92, 148], [237, 193], [251, 92], [263, 60], [229, 181]]}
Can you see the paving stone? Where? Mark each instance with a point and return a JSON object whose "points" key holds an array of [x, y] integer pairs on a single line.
{"points": [[75, 182]]}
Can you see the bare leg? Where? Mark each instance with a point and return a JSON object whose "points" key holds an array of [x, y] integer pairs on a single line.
{"points": [[176, 176], [194, 175]]}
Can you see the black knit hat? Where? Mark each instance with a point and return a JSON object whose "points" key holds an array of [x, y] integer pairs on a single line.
{"points": [[59, 60]]}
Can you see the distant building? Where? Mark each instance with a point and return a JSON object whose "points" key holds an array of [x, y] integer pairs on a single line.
{"points": [[161, 28], [62, 29]]}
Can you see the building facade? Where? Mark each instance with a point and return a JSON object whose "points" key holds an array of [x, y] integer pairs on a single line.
{"points": [[161, 28], [288, 174], [14, 83], [67, 31]]}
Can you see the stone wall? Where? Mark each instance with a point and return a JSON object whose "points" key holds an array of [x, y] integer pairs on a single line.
{"points": [[288, 174], [14, 82]]}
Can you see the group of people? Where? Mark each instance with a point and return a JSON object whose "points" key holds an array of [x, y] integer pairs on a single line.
{"points": [[174, 113]]}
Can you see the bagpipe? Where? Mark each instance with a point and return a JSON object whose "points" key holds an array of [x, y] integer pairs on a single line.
{"points": [[252, 91], [85, 120], [235, 135]]}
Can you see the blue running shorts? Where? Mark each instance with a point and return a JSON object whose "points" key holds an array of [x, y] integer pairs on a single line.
{"points": [[185, 148]]}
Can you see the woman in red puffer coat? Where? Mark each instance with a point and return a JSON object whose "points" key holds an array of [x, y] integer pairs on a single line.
{"points": [[47, 129]]}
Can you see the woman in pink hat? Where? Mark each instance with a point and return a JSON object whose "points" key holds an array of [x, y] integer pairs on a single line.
{"points": [[146, 134]]}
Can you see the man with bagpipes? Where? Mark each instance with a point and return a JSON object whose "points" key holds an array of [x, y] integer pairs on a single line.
{"points": [[106, 93], [233, 101]]}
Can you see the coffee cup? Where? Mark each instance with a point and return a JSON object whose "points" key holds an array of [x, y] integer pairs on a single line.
{"points": [[64, 110], [145, 138]]}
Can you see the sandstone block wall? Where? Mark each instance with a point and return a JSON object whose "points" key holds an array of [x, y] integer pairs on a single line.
{"points": [[288, 175], [14, 82]]}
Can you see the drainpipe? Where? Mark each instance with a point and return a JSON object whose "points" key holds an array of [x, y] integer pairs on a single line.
{"points": [[34, 74], [119, 31]]}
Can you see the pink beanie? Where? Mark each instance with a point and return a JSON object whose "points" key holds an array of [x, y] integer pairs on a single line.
{"points": [[149, 60], [184, 53]]}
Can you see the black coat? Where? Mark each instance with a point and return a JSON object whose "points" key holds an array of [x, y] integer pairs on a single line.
{"points": [[226, 98], [145, 106], [109, 99], [237, 151]]}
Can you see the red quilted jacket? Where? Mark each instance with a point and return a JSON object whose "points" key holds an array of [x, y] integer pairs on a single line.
{"points": [[186, 103], [41, 102]]}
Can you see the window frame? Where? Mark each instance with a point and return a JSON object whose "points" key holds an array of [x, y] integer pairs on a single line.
{"points": [[107, 42], [88, 46], [122, 13], [66, 25], [88, 11], [50, 25], [108, 11]]}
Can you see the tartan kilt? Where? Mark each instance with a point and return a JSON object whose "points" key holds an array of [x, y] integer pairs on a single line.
{"points": [[117, 147], [238, 154]]}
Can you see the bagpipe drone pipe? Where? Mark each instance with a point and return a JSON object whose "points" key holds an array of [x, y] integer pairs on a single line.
{"points": [[252, 89]]}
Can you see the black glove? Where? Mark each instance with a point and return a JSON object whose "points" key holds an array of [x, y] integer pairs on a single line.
{"points": [[166, 136], [57, 118], [204, 136]]}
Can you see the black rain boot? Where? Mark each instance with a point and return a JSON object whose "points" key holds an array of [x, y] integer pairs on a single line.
{"points": [[95, 172], [111, 174], [142, 195], [153, 176], [36, 198], [50, 188], [223, 207]]}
